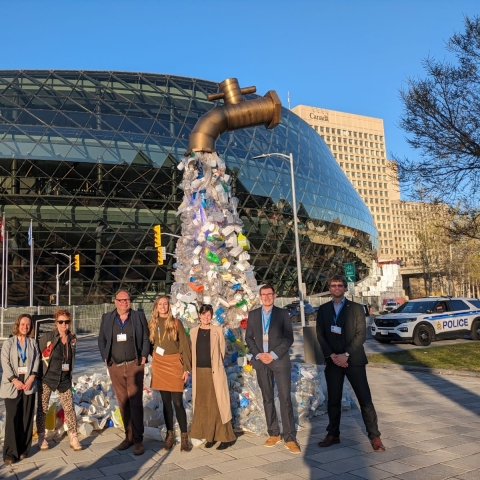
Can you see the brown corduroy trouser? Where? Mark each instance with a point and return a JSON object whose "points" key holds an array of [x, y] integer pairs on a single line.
{"points": [[127, 382]]}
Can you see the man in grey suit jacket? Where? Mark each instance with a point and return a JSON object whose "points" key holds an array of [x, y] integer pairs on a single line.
{"points": [[341, 332], [124, 345], [269, 337]]}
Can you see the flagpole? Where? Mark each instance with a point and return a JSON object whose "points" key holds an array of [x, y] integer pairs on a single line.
{"points": [[30, 237], [3, 261], [5, 238]]}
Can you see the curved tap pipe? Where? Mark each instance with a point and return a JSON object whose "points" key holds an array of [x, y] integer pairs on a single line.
{"points": [[235, 114]]}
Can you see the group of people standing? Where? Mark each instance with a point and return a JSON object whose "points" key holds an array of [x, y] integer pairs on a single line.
{"points": [[126, 340]]}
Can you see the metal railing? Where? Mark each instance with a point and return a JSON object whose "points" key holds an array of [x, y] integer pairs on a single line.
{"points": [[85, 318]]}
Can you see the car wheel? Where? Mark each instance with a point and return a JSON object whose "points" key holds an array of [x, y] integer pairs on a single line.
{"points": [[476, 330], [382, 340], [294, 318], [423, 335]]}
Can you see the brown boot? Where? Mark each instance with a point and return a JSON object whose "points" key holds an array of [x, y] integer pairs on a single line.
{"points": [[169, 440], [185, 446]]}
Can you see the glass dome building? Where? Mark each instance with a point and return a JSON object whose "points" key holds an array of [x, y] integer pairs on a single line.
{"points": [[91, 157]]}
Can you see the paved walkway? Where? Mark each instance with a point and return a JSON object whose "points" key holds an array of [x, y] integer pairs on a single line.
{"points": [[430, 425]]}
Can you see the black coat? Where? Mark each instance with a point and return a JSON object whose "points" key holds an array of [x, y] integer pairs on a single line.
{"points": [[354, 326], [280, 336], [140, 335]]}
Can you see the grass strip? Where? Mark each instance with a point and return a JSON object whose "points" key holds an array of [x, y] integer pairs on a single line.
{"points": [[465, 356]]}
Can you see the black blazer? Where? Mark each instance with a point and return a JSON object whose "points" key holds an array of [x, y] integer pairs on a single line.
{"points": [[280, 336], [354, 326], [140, 335]]}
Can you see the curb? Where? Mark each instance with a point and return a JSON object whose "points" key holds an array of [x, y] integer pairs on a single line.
{"points": [[433, 371]]}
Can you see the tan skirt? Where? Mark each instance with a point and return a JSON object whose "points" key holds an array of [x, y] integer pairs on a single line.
{"points": [[167, 371], [207, 422]]}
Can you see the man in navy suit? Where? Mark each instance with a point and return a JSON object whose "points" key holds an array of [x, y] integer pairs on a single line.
{"points": [[341, 332], [124, 345], [269, 337]]}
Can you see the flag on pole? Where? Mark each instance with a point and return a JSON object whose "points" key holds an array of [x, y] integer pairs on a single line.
{"points": [[30, 234], [2, 235]]}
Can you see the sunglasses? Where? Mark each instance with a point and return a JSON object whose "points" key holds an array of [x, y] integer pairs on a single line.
{"points": [[66, 322]]}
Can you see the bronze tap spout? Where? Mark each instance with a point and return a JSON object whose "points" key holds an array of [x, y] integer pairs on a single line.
{"points": [[236, 113]]}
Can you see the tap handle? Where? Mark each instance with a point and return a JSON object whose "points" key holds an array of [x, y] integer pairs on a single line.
{"points": [[248, 90], [220, 95]]}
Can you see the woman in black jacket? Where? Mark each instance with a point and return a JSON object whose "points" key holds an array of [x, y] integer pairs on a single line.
{"points": [[57, 348]]}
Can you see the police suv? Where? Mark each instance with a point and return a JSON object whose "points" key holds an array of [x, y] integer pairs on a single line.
{"points": [[425, 319]]}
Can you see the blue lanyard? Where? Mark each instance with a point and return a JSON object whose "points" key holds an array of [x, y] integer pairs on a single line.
{"points": [[122, 324], [23, 353], [336, 315], [266, 321]]}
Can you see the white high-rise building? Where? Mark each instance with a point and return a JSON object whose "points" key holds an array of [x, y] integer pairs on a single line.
{"points": [[358, 144]]}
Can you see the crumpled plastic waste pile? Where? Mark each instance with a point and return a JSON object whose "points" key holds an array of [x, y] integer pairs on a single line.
{"points": [[212, 260]]}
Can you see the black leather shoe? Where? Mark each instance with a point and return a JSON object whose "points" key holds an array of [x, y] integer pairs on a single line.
{"points": [[328, 441], [223, 445], [210, 444]]}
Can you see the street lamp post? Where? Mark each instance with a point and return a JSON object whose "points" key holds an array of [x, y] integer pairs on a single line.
{"points": [[69, 268], [297, 242]]}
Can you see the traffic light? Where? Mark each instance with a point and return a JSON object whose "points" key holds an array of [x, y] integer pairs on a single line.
{"points": [[157, 236], [77, 262], [160, 255]]}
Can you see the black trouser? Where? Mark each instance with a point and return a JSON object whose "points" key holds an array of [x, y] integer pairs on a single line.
{"points": [[265, 376], [357, 376], [18, 426], [176, 397]]}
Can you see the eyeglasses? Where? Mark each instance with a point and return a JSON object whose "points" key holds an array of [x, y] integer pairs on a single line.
{"points": [[337, 285], [267, 294], [61, 322], [123, 300]]}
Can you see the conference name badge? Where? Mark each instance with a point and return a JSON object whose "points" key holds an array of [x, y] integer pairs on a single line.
{"points": [[65, 367], [337, 330], [122, 337], [22, 370], [160, 350]]}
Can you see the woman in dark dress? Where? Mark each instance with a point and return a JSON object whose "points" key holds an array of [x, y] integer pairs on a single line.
{"points": [[171, 363], [212, 414]]}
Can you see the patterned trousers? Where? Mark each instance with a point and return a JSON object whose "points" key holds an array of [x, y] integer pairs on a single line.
{"points": [[66, 400]]}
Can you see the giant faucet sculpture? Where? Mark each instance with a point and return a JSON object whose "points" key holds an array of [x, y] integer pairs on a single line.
{"points": [[236, 113]]}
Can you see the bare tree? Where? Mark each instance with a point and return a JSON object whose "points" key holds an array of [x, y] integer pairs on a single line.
{"points": [[441, 117]]}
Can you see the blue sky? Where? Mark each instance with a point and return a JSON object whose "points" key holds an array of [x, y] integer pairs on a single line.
{"points": [[345, 55]]}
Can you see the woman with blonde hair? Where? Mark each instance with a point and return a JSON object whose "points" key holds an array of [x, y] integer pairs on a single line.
{"points": [[171, 363], [57, 348], [212, 414], [20, 361]]}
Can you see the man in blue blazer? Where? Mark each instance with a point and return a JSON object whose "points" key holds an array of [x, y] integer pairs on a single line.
{"points": [[269, 337], [341, 332], [124, 345]]}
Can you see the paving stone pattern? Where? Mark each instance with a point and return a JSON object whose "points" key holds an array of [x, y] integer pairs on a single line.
{"points": [[430, 425]]}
